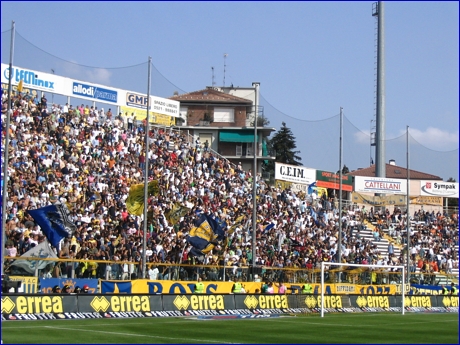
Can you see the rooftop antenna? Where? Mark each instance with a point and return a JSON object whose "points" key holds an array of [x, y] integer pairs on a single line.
{"points": [[213, 82], [225, 57]]}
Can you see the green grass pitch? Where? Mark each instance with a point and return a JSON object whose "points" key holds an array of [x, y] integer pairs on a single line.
{"points": [[363, 328]]}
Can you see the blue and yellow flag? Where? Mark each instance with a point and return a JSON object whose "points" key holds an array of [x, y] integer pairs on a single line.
{"points": [[205, 235], [135, 200]]}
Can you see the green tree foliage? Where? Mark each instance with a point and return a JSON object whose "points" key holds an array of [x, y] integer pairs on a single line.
{"points": [[345, 170], [283, 145], [452, 203], [262, 121]]}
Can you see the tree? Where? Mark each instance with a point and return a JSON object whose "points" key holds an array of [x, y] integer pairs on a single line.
{"points": [[345, 170], [283, 145], [452, 203], [262, 121]]}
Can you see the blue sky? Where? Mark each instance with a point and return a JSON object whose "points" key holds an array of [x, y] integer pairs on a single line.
{"points": [[311, 58]]}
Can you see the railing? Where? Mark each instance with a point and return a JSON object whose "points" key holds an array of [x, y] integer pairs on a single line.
{"points": [[124, 270]]}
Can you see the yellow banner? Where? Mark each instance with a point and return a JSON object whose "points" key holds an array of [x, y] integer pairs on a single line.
{"points": [[155, 118], [14, 89], [398, 200], [175, 287], [299, 187], [426, 200], [28, 285]]}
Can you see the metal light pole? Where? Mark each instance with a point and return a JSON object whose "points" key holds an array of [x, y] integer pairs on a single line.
{"points": [[380, 165], [146, 177], [6, 158], [254, 180], [339, 250], [407, 206]]}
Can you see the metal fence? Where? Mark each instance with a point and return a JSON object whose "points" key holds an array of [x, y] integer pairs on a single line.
{"points": [[117, 270]]}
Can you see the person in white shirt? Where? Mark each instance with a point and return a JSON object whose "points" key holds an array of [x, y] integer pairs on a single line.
{"points": [[153, 272]]}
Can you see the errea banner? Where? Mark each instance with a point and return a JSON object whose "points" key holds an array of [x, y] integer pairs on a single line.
{"points": [[293, 173], [380, 185], [439, 188], [94, 92]]}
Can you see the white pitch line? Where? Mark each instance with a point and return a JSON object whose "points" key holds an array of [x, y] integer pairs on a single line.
{"points": [[8, 325], [347, 325], [140, 335]]}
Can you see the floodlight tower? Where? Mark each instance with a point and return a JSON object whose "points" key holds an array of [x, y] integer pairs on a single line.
{"points": [[379, 143]]}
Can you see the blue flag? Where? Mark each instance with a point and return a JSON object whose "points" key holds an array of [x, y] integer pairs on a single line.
{"points": [[54, 221], [268, 227], [311, 188], [205, 235]]}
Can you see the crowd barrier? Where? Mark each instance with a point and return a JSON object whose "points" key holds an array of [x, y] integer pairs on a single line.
{"points": [[31, 285], [73, 306]]}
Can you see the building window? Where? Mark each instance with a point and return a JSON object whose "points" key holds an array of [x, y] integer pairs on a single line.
{"points": [[224, 115]]}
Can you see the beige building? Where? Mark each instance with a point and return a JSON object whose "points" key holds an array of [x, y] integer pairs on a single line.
{"points": [[396, 176], [224, 117]]}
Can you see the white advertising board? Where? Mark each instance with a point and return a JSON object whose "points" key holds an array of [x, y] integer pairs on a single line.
{"points": [[293, 173], [35, 80], [55, 84], [380, 185], [439, 188]]}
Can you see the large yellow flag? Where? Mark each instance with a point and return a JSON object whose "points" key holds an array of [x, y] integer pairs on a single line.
{"points": [[176, 212], [20, 85], [238, 223], [135, 200]]}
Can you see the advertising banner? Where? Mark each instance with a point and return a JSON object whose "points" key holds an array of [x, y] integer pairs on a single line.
{"points": [[426, 200], [327, 179], [314, 301], [198, 302], [439, 188], [375, 200], [28, 284], [158, 106], [46, 285], [298, 187], [37, 304], [266, 301], [170, 287], [25, 90], [154, 118], [175, 287], [380, 185], [162, 109], [293, 173], [94, 92], [52, 307], [33, 79], [119, 303]]}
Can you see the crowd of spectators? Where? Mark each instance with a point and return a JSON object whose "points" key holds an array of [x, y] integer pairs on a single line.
{"points": [[88, 158]]}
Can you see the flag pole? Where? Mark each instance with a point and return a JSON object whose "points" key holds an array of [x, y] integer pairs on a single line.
{"points": [[146, 177], [6, 146]]}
